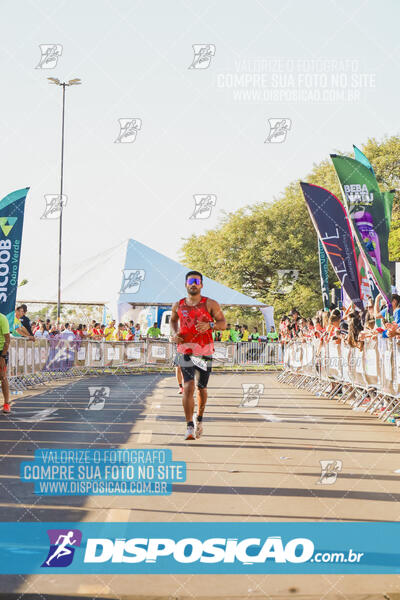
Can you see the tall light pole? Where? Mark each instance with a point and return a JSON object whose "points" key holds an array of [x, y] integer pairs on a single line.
{"points": [[63, 84]]}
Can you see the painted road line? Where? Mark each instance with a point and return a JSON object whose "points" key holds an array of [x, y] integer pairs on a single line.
{"points": [[150, 418], [117, 515], [94, 588], [145, 436], [43, 506]]}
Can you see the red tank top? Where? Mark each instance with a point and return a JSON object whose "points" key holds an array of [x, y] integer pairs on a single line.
{"points": [[199, 344]]}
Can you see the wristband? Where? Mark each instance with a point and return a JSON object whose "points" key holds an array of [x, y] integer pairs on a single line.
{"points": [[211, 324]]}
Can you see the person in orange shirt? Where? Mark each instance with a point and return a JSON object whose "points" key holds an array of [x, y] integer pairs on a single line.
{"points": [[129, 335]]}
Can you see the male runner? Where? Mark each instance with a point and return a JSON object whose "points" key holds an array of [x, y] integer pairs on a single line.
{"points": [[192, 321]]}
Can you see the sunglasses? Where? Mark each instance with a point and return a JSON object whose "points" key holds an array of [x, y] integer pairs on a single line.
{"points": [[192, 280]]}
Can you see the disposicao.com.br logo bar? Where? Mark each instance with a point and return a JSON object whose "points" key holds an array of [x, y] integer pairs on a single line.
{"points": [[214, 550], [220, 548]]}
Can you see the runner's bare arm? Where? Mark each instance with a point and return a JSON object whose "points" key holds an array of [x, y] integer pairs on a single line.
{"points": [[7, 339], [215, 311], [217, 314], [174, 325], [3, 352]]}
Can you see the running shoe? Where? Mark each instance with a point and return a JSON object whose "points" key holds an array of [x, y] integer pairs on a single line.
{"points": [[199, 430], [198, 427], [6, 408], [190, 433]]}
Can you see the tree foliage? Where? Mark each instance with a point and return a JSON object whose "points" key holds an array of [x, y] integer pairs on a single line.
{"points": [[250, 246]]}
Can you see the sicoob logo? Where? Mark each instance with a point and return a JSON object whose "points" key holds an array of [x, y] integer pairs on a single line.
{"points": [[61, 552]]}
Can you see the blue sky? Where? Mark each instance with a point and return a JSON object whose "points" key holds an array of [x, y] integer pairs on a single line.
{"points": [[199, 135]]}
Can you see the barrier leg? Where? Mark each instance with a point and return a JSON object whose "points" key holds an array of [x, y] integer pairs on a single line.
{"points": [[325, 385], [348, 394], [300, 381], [336, 389], [390, 409], [376, 400], [357, 401]]}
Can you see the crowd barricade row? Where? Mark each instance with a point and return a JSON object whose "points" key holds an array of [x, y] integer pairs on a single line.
{"points": [[95, 356], [357, 367], [369, 379], [334, 361], [159, 352], [134, 354], [224, 353], [81, 355], [372, 364], [260, 353], [40, 360], [309, 362]]}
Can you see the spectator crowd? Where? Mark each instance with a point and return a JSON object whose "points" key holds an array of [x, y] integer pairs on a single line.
{"points": [[241, 333], [42, 329], [351, 325]]}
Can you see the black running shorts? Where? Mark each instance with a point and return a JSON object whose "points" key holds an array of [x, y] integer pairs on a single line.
{"points": [[189, 369]]}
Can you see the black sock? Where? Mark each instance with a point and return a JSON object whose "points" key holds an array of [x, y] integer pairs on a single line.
{"points": [[199, 418], [190, 424]]}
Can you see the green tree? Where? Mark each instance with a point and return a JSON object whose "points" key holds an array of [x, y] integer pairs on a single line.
{"points": [[251, 245]]}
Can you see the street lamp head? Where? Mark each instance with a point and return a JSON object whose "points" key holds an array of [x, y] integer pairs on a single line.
{"points": [[75, 81]]}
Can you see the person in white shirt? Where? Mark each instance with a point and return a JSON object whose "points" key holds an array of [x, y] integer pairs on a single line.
{"points": [[41, 332], [137, 333], [67, 334]]}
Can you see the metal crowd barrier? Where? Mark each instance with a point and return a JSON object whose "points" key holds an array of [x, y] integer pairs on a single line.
{"points": [[369, 380], [258, 353], [34, 362]]}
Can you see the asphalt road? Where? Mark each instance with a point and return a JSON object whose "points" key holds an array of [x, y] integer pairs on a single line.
{"points": [[254, 463]]}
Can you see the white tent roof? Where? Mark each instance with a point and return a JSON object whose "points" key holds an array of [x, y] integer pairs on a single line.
{"points": [[128, 273]]}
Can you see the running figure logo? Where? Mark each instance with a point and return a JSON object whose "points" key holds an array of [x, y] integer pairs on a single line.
{"points": [[128, 129], [131, 280], [49, 55], [251, 394], [203, 54], [61, 552], [98, 396], [54, 203], [278, 129], [203, 205], [329, 471]]}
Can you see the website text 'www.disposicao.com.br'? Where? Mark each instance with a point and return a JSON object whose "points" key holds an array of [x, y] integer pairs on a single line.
{"points": [[67, 488]]}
